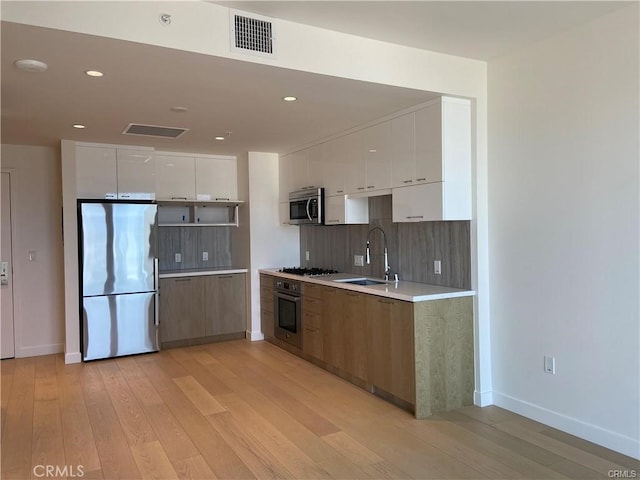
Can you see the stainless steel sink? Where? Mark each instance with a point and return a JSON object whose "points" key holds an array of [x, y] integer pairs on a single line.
{"points": [[361, 281]]}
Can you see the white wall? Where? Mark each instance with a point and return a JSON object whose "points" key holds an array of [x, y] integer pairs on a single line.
{"points": [[564, 230], [38, 285], [272, 244]]}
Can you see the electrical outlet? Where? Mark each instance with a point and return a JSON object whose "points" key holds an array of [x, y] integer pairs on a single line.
{"points": [[358, 260], [437, 267], [32, 255], [178, 257], [306, 256], [550, 365], [205, 256]]}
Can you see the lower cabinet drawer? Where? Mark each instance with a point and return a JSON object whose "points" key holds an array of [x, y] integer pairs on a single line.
{"points": [[312, 342]]}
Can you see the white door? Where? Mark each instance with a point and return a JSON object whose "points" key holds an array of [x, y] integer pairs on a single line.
{"points": [[7, 348]]}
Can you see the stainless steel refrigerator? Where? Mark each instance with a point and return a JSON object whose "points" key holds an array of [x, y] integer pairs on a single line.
{"points": [[119, 278]]}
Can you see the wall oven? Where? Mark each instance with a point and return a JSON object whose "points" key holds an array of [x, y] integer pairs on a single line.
{"points": [[306, 207], [288, 312]]}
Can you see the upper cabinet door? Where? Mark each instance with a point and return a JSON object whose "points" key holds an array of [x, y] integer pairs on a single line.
{"points": [[96, 175], [175, 177], [136, 174], [216, 178], [353, 161], [429, 157], [316, 166], [376, 148], [403, 150], [334, 168]]}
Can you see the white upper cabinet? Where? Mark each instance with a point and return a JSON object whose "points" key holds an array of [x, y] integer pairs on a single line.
{"points": [[341, 210], [335, 168], [104, 172], [96, 172], [317, 172], [440, 188], [175, 177], [352, 156], [136, 170], [376, 150], [216, 178], [403, 152]]}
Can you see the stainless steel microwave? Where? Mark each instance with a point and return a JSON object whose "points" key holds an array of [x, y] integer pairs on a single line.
{"points": [[306, 207]]}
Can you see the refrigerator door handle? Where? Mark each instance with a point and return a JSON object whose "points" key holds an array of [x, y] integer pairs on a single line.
{"points": [[156, 285], [156, 297]]}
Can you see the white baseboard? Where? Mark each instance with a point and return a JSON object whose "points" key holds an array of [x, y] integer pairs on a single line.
{"points": [[255, 335], [482, 399], [23, 352], [606, 438], [73, 357]]}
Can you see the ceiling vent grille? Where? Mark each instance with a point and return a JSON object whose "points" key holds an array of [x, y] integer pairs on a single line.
{"points": [[153, 131], [252, 34]]}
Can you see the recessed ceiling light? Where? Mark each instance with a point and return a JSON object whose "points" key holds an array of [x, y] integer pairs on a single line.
{"points": [[289, 99], [78, 125], [219, 138], [29, 65], [179, 109], [94, 73]]}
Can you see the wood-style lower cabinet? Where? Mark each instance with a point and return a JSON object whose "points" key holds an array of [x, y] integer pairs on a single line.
{"points": [[332, 338], [312, 320], [202, 309], [225, 304], [181, 308], [390, 351], [266, 306], [354, 334]]}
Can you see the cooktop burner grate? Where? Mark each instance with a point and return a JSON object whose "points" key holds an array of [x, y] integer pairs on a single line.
{"points": [[307, 271]]}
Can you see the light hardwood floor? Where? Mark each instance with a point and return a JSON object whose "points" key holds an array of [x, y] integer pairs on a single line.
{"points": [[251, 410]]}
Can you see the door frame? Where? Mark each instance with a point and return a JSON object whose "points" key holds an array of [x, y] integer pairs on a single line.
{"points": [[15, 267]]}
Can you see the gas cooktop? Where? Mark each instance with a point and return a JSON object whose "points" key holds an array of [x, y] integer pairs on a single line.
{"points": [[307, 271]]}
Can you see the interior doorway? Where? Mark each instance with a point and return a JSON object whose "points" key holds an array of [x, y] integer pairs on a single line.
{"points": [[7, 334]]}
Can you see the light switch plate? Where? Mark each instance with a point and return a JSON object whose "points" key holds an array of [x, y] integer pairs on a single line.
{"points": [[205, 256], [358, 260], [178, 257], [437, 267]]}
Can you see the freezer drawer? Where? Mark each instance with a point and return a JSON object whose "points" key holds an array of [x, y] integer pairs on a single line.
{"points": [[116, 325]]}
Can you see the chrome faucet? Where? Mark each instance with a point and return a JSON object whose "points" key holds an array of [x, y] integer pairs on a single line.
{"points": [[387, 269]]}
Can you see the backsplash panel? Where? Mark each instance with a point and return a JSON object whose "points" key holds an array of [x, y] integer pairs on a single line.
{"points": [[412, 247], [190, 242]]}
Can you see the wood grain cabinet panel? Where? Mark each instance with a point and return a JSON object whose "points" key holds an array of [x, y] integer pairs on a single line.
{"points": [[225, 305], [354, 334], [181, 308], [332, 338], [266, 306], [390, 352]]}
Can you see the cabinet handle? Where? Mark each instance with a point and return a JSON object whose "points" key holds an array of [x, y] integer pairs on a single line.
{"points": [[353, 294], [125, 196], [420, 179], [371, 186], [360, 188], [407, 181], [332, 221], [225, 276], [221, 198], [178, 198], [385, 301], [416, 216], [339, 191], [183, 279]]}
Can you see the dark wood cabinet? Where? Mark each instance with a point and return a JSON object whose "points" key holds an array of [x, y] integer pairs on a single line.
{"points": [[181, 308], [202, 309], [225, 304]]}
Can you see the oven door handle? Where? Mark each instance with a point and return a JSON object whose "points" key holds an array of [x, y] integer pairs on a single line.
{"points": [[288, 297], [309, 213]]}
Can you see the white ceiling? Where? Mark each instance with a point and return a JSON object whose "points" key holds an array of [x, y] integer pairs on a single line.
{"points": [[225, 95]]}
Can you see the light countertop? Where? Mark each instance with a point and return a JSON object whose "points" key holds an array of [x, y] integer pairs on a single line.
{"points": [[195, 272], [407, 291]]}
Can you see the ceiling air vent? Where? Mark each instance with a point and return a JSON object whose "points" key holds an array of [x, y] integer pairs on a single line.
{"points": [[252, 34], [153, 131]]}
